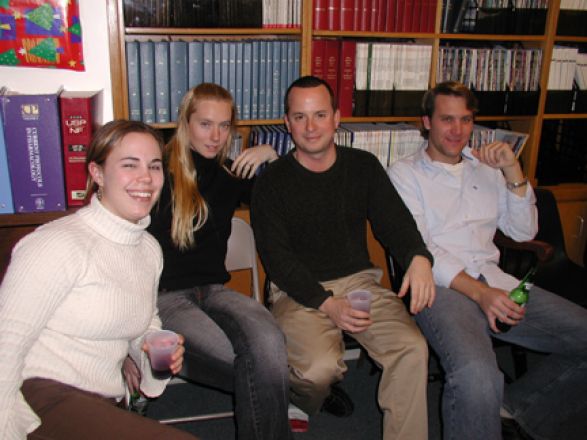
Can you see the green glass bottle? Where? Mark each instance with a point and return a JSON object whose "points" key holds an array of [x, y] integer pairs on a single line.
{"points": [[520, 295], [138, 403]]}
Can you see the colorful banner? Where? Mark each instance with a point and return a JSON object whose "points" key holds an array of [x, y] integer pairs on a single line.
{"points": [[41, 33]]}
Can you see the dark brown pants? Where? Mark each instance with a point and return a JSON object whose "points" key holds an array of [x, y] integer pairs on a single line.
{"points": [[69, 413]]}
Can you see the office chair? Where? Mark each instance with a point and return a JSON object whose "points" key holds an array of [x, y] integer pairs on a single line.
{"points": [[560, 274], [241, 254]]}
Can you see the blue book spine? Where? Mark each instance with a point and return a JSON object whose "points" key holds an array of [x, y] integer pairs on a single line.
{"points": [[6, 206], [178, 84], [239, 78], [162, 81], [147, 57], [232, 70], [276, 86], [255, 81], [208, 61], [290, 64], [297, 56], [247, 59], [217, 57], [195, 63], [262, 98], [224, 69], [283, 77], [269, 81], [133, 80]]}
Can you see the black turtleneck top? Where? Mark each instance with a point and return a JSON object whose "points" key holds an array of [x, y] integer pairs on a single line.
{"points": [[203, 263]]}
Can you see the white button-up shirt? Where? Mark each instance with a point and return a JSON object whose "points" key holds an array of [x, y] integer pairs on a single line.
{"points": [[458, 215]]}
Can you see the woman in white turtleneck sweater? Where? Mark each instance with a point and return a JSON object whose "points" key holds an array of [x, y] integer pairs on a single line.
{"points": [[79, 296]]}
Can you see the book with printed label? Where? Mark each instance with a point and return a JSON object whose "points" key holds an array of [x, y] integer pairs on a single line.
{"points": [[80, 116], [33, 145]]}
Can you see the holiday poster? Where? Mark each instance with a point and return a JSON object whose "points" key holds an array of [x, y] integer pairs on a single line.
{"points": [[41, 33]]}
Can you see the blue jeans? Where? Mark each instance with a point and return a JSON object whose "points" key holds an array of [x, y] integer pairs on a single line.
{"points": [[549, 401], [233, 343]]}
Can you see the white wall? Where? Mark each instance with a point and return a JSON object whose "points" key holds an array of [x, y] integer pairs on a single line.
{"points": [[96, 57]]}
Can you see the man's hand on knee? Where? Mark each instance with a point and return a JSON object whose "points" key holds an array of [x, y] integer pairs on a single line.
{"points": [[345, 317]]}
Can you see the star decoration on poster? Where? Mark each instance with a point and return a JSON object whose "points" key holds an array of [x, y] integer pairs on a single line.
{"points": [[41, 33]]}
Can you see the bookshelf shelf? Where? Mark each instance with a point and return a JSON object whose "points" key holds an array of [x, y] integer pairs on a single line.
{"points": [[32, 219], [492, 37], [564, 116], [357, 34], [211, 31]]}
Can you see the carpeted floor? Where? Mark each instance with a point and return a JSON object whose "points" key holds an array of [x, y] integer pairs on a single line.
{"points": [[185, 399]]}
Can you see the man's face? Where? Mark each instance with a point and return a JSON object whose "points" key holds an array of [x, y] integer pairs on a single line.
{"points": [[449, 128], [311, 121]]}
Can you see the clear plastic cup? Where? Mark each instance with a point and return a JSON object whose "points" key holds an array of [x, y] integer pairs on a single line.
{"points": [[162, 344], [360, 300]]}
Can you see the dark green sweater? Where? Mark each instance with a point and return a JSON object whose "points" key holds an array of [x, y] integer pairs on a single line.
{"points": [[311, 227]]}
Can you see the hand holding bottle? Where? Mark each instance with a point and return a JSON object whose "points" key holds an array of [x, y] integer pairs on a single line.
{"points": [[519, 295]]}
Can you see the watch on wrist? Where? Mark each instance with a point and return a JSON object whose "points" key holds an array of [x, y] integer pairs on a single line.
{"points": [[514, 185]]}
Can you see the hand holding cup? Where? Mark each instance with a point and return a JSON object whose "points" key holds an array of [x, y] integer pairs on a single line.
{"points": [[360, 300], [165, 350]]}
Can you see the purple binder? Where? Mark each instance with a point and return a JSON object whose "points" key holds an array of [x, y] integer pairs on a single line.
{"points": [[33, 146]]}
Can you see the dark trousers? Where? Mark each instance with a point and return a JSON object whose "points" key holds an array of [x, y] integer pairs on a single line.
{"points": [[69, 413]]}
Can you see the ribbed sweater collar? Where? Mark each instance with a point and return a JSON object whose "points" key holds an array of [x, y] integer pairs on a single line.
{"points": [[110, 226]]}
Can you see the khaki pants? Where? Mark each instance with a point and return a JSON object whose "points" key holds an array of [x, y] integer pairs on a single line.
{"points": [[315, 354]]}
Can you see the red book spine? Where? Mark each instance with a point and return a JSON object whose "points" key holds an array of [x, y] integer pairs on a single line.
{"points": [[390, 25], [406, 22], [357, 12], [399, 15], [77, 115], [320, 22], [347, 77], [374, 19], [318, 48], [431, 21], [334, 15], [365, 23], [331, 63], [381, 13], [346, 15], [418, 17]]}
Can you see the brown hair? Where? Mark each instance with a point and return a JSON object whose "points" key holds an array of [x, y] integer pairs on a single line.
{"points": [[189, 210], [107, 137]]}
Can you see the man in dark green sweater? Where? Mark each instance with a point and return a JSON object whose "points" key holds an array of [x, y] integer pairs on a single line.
{"points": [[309, 213]]}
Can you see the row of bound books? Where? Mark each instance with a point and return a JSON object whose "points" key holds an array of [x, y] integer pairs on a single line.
{"points": [[386, 141], [212, 13], [352, 68], [375, 15], [491, 69], [523, 17], [256, 72], [567, 67], [43, 145]]}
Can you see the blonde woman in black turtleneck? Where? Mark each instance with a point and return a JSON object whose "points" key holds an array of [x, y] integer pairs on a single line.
{"points": [[232, 342]]}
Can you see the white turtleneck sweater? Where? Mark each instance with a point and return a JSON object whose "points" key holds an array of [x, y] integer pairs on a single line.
{"points": [[79, 295]]}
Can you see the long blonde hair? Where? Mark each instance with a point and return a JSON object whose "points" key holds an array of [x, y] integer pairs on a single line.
{"points": [[189, 210]]}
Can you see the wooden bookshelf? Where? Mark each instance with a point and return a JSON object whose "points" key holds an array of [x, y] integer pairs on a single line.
{"points": [[572, 198], [575, 236]]}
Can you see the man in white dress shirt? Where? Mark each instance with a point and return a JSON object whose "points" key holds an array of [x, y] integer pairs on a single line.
{"points": [[458, 197]]}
